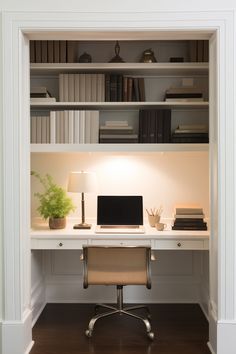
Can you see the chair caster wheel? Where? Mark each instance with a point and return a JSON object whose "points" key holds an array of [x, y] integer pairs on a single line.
{"points": [[149, 316], [88, 333], [150, 335]]}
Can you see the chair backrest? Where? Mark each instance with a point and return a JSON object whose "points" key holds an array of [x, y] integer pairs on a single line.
{"points": [[121, 265]]}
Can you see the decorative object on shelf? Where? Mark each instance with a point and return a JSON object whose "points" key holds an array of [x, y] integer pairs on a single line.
{"points": [[154, 215], [82, 182], [85, 58], [54, 203], [160, 226], [117, 58], [148, 57], [176, 59]]}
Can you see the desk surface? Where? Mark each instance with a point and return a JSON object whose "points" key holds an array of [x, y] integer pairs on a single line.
{"points": [[44, 238]]}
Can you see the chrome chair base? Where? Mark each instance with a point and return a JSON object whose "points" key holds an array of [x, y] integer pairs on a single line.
{"points": [[120, 309]]}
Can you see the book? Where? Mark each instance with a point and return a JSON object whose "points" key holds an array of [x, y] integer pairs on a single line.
{"points": [[62, 51], [71, 51], [189, 216], [119, 136], [56, 52], [32, 51], [38, 51], [141, 85], [193, 228], [76, 127], [94, 127], [42, 99], [188, 211], [71, 88], [52, 127], [61, 87], [198, 99], [71, 127], [112, 123], [107, 88], [44, 52], [33, 129], [50, 51]]}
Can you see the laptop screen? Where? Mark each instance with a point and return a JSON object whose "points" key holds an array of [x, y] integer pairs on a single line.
{"points": [[120, 210]]}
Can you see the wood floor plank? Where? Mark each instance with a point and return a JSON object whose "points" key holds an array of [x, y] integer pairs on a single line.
{"points": [[178, 328]]}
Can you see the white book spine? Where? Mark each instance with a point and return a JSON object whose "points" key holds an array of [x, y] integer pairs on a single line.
{"points": [[88, 87], [33, 130], [66, 127], [76, 127], [66, 87], [61, 87], [48, 129], [94, 91], [58, 127], [87, 126], [38, 130], [44, 129], [77, 86], [71, 127], [94, 127], [82, 127], [62, 128], [71, 88], [82, 87], [52, 127]]}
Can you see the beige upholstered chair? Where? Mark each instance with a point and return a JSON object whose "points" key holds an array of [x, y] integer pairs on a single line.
{"points": [[111, 265]]}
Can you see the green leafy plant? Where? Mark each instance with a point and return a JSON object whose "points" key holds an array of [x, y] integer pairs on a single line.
{"points": [[54, 202]]}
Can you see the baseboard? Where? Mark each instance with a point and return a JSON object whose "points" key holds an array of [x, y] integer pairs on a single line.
{"points": [[206, 314], [17, 335], [212, 344], [226, 337], [210, 347], [38, 301]]}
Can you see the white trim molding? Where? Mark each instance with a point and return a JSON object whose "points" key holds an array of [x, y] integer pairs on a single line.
{"points": [[17, 29]]}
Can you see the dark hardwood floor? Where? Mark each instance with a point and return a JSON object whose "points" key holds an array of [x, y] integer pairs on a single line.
{"points": [[178, 328]]}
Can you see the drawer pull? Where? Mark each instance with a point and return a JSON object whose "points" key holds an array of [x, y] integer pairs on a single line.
{"points": [[179, 244], [60, 244]]}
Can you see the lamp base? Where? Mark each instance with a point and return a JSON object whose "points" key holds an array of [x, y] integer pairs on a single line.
{"points": [[82, 226]]}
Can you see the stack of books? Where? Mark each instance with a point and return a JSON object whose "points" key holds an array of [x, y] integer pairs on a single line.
{"points": [[40, 94], [117, 132], [183, 94], [191, 133], [155, 126], [52, 51], [189, 219]]}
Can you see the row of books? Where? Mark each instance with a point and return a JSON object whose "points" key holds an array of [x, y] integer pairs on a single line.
{"points": [[117, 132], [81, 87], [189, 219], [120, 88], [52, 52], [183, 94], [199, 51], [155, 126], [190, 133], [65, 127]]}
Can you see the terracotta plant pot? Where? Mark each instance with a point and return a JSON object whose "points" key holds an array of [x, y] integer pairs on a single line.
{"points": [[57, 223]]}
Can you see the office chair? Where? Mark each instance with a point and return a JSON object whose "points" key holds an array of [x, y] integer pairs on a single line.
{"points": [[117, 265]]}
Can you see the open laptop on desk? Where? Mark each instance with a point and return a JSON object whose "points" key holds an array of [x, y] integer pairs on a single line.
{"points": [[120, 214]]}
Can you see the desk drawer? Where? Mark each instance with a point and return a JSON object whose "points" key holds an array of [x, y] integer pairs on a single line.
{"points": [[179, 244], [57, 244], [112, 242]]}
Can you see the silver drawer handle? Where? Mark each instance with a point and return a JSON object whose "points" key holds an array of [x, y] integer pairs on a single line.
{"points": [[179, 244], [60, 244]]}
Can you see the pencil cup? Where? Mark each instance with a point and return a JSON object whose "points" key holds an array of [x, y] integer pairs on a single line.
{"points": [[153, 219]]}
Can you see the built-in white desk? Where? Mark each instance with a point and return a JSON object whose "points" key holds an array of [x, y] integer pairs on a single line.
{"points": [[42, 238]]}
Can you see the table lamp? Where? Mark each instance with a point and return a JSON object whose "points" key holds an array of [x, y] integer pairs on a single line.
{"points": [[82, 182]]}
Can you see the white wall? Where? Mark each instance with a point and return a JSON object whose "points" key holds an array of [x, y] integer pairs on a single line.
{"points": [[1, 250], [163, 179], [116, 6]]}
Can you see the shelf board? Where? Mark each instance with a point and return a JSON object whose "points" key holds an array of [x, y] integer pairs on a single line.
{"points": [[139, 148], [116, 105], [130, 68]]}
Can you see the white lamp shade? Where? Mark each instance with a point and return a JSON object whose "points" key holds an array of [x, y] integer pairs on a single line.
{"points": [[82, 182]]}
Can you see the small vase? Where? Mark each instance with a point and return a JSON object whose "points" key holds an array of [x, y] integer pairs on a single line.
{"points": [[57, 223]]}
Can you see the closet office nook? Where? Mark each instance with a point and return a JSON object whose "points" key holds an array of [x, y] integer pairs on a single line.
{"points": [[134, 110]]}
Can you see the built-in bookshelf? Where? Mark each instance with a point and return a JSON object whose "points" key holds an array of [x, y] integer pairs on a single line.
{"points": [[85, 87]]}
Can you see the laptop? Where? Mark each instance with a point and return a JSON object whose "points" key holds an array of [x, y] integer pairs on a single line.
{"points": [[119, 214]]}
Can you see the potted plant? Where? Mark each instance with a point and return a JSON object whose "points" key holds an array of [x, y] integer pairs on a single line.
{"points": [[54, 202]]}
